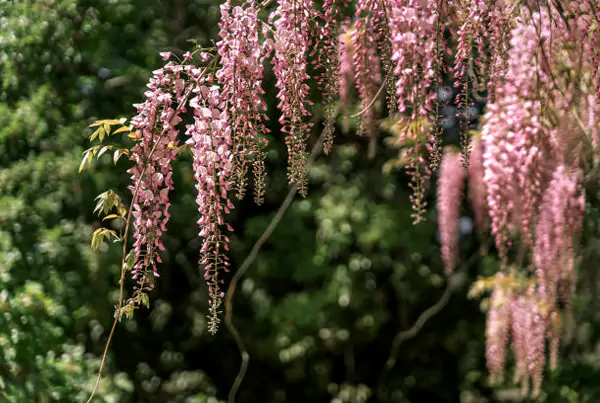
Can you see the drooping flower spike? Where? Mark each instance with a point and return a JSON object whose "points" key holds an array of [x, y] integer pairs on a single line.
{"points": [[240, 76], [290, 51], [211, 145], [155, 128], [449, 197]]}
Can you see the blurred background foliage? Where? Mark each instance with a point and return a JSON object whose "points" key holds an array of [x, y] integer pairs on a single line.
{"points": [[344, 272]]}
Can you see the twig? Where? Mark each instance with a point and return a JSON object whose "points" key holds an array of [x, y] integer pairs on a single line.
{"points": [[246, 264], [366, 108], [402, 336]]}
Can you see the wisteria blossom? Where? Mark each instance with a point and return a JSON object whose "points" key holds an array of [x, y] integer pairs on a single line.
{"points": [[413, 33], [290, 47], [241, 75], [477, 185], [155, 128], [497, 331], [516, 142], [450, 188], [346, 61], [367, 76], [329, 64], [559, 221], [211, 145]]}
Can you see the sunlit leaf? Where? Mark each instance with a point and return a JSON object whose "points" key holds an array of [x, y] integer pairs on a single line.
{"points": [[105, 132], [121, 209], [144, 299], [83, 161], [121, 130], [103, 150], [117, 155], [97, 238], [98, 132]]}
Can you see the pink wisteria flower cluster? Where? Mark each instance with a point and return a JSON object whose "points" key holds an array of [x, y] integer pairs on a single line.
{"points": [[291, 33], [156, 142], [450, 187], [240, 76], [524, 169], [526, 181]]}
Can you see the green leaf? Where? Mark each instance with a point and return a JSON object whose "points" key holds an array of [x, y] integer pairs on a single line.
{"points": [[107, 201], [97, 238], [129, 260], [111, 216], [126, 310], [144, 299], [121, 210], [100, 234]]}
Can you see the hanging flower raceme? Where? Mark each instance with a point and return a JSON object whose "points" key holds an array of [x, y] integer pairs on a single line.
{"points": [[439, 68], [373, 14], [241, 75], [519, 317], [367, 36], [450, 188], [497, 327], [328, 62], [346, 61], [367, 76], [471, 34], [155, 128], [529, 326], [326, 48], [587, 20], [372, 22], [413, 33], [559, 221], [477, 186], [211, 145], [498, 21], [290, 45], [516, 141]]}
